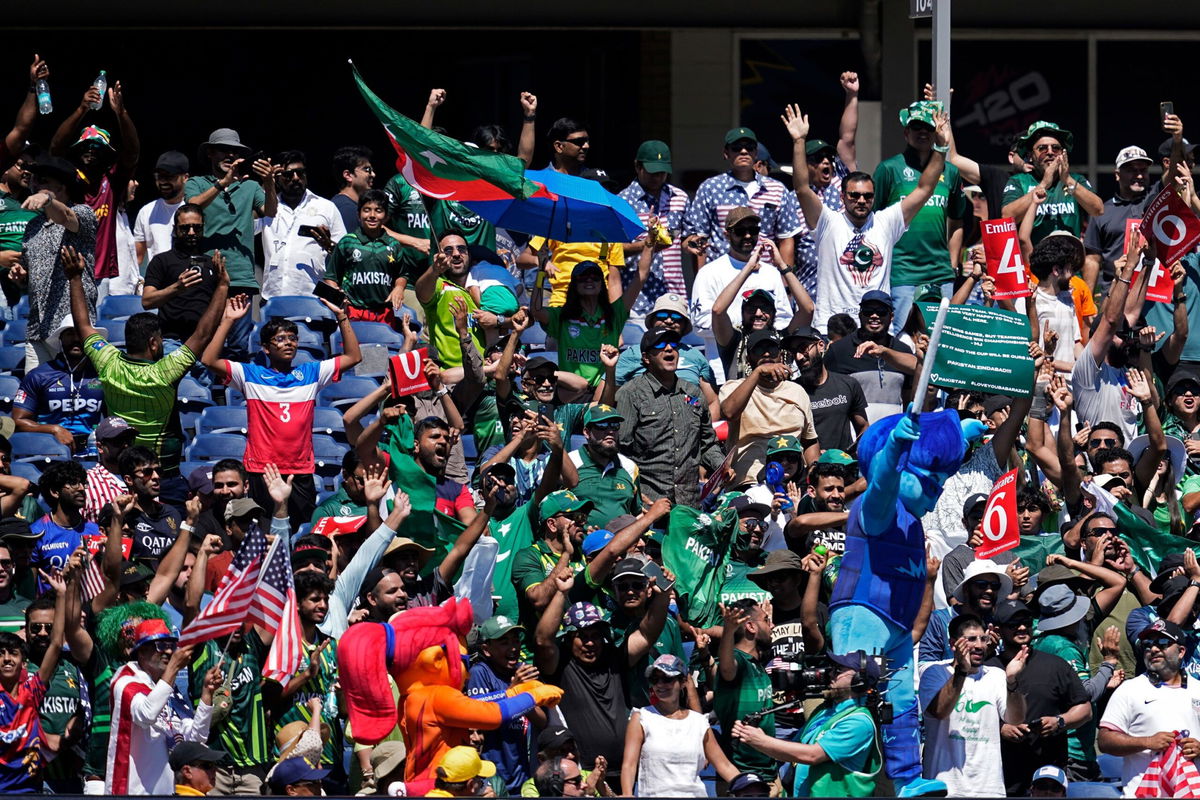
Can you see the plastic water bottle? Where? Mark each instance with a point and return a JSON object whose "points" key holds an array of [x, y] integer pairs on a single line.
{"points": [[101, 84], [43, 96]]}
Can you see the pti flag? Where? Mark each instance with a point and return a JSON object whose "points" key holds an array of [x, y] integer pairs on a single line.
{"points": [[1003, 252], [235, 594], [443, 168], [1172, 225], [1000, 529], [696, 550]]}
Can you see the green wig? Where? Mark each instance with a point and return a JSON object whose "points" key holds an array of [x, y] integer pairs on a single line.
{"points": [[110, 621]]}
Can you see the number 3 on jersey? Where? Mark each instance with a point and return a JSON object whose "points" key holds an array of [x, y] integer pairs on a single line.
{"points": [[285, 412]]}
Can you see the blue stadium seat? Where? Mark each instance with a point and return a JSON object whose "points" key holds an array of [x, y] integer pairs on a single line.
{"points": [[534, 338], [327, 454], [41, 447], [22, 310], [26, 470], [215, 446], [692, 339], [369, 333], [311, 341], [233, 397], [115, 328], [187, 467], [328, 421], [631, 335], [14, 332], [1092, 789], [8, 389], [346, 392], [300, 308], [121, 306], [222, 419], [303, 357], [12, 359], [193, 397], [470, 450]]}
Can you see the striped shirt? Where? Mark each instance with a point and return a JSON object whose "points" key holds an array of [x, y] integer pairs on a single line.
{"points": [[143, 394], [666, 269], [280, 408], [102, 488]]}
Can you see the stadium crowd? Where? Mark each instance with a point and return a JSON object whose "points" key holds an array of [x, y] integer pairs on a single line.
{"points": [[644, 482]]}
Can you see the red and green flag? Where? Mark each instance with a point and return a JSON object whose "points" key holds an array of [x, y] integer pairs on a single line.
{"points": [[443, 168]]}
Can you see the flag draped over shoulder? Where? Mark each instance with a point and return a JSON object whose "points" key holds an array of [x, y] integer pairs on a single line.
{"points": [[425, 525], [1147, 544], [696, 550], [444, 168]]}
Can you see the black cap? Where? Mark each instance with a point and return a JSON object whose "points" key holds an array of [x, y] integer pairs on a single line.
{"points": [[973, 502], [1164, 627], [55, 167], [1009, 610], [744, 505], [877, 296], [135, 572], [186, 753], [800, 337], [538, 362], [759, 338], [1164, 149], [995, 402], [554, 736], [629, 566], [173, 162], [1180, 376], [1167, 568], [658, 336]]}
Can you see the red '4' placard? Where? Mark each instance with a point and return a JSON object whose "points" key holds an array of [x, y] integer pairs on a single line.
{"points": [[1000, 529], [1004, 262]]}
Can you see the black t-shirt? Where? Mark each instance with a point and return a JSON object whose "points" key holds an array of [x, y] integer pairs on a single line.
{"points": [[348, 210], [833, 403], [180, 314], [153, 534], [880, 382], [993, 180], [594, 706], [1050, 687]]}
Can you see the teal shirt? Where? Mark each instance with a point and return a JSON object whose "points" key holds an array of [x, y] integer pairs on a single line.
{"points": [[922, 255], [229, 224]]}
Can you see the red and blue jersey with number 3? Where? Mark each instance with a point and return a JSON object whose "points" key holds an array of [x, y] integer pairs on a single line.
{"points": [[279, 410]]}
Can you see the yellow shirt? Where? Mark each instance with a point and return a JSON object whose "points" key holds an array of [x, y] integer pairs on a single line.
{"points": [[438, 793], [187, 791], [565, 255]]}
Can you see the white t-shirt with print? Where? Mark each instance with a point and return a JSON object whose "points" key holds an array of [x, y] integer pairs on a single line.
{"points": [[963, 750], [1141, 708], [155, 226], [842, 284]]}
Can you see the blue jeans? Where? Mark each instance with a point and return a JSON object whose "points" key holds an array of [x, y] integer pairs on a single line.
{"points": [[902, 302], [859, 628]]}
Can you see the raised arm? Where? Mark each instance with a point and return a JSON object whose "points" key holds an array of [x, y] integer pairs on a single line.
{"points": [[60, 142], [203, 336], [236, 307], [947, 697], [651, 626], [171, 563], [848, 126], [1072, 478], [426, 284], [879, 500], [797, 126], [352, 416], [54, 651], [1112, 315], [520, 323], [528, 137], [722, 326], [436, 98], [73, 266], [599, 567], [645, 260], [1172, 348], [351, 353], [932, 173], [131, 146], [545, 635], [14, 140]]}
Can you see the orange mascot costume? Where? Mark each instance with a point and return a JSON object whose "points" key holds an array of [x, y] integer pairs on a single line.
{"points": [[423, 650]]}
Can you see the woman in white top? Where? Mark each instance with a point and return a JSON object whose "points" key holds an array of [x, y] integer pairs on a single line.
{"points": [[666, 744]]}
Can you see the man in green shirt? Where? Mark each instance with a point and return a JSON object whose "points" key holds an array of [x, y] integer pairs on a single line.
{"points": [[236, 193], [63, 716], [441, 283], [747, 552], [563, 519], [349, 500], [140, 384], [929, 249], [632, 595], [1068, 194], [743, 686], [240, 731], [604, 476]]}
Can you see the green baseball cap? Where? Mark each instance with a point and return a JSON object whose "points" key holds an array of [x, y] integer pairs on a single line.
{"points": [[563, 501], [654, 156], [783, 444], [601, 413], [836, 457], [737, 134], [814, 146], [496, 627], [920, 111], [1043, 128]]}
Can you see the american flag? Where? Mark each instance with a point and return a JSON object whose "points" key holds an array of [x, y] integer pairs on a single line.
{"points": [[1170, 774], [274, 608], [235, 594]]}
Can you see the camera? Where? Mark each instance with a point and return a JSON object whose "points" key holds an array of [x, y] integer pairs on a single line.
{"points": [[810, 677]]}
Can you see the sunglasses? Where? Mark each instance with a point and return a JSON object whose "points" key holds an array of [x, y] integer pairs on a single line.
{"points": [[6, 563], [664, 345], [982, 583], [742, 144], [1161, 642], [146, 472], [1105, 442], [578, 517], [576, 781], [1096, 533], [298, 172], [39, 627], [605, 426], [754, 524], [198, 227], [451, 249], [631, 586], [745, 231], [861, 195], [578, 141], [668, 316], [1048, 148], [536, 379], [166, 645]]}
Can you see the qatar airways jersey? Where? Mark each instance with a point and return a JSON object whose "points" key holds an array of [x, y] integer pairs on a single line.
{"points": [[279, 410]]}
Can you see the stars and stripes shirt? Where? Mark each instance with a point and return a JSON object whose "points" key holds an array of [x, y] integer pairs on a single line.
{"points": [[148, 719], [102, 488], [279, 407], [775, 204], [666, 270]]}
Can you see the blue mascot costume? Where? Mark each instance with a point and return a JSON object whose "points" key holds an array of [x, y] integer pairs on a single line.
{"points": [[906, 461]]}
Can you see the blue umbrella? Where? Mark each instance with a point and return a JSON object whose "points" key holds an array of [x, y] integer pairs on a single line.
{"points": [[584, 212]]}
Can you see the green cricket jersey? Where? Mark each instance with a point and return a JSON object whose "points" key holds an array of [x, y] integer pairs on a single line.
{"points": [[921, 256], [365, 268], [320, 685], [579, 340], [748, 692], [13, 220], [243, 732], [514, 534], [1060, 212]]}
